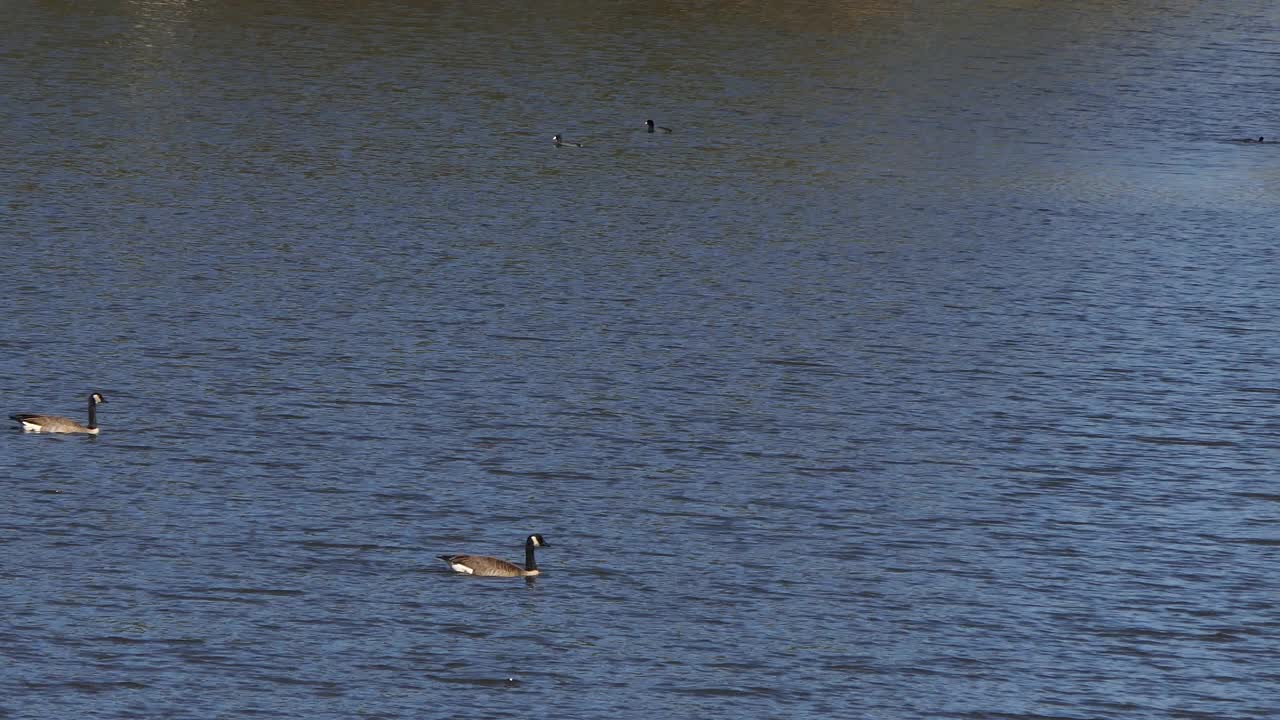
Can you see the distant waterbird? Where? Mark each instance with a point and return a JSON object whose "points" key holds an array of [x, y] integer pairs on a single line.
{"points": [[561, 142], [649, 126]]}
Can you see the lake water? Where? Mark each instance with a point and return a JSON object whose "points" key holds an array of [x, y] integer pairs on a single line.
{"points": [[928, 369]]}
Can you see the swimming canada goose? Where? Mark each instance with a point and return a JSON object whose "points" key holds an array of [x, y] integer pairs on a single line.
{"points": [[561, 142], [492, 566], [650, 126], [59, 424]]}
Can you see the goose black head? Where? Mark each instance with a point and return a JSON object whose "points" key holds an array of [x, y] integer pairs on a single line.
{"points": [[536, 541]]}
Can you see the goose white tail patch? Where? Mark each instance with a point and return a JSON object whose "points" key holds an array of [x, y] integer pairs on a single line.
{"points": [[459, 567], [31, 427]]}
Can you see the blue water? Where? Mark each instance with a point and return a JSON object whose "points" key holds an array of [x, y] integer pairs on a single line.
{"points": [[927, 370]]}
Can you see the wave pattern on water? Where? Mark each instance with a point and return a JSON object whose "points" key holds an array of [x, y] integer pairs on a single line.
{"points": [[927, 370]]}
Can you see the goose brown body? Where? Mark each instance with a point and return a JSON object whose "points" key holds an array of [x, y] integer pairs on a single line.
{"points": [[483, 565]]}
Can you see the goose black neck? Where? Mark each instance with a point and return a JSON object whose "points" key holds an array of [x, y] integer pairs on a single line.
{"points": [[93, 414], [529, 564]]}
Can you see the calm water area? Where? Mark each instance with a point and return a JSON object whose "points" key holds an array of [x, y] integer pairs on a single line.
{"points": [[927, 370]]}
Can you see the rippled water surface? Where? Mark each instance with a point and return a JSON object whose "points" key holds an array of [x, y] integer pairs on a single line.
{"points": [[928, 369]]}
